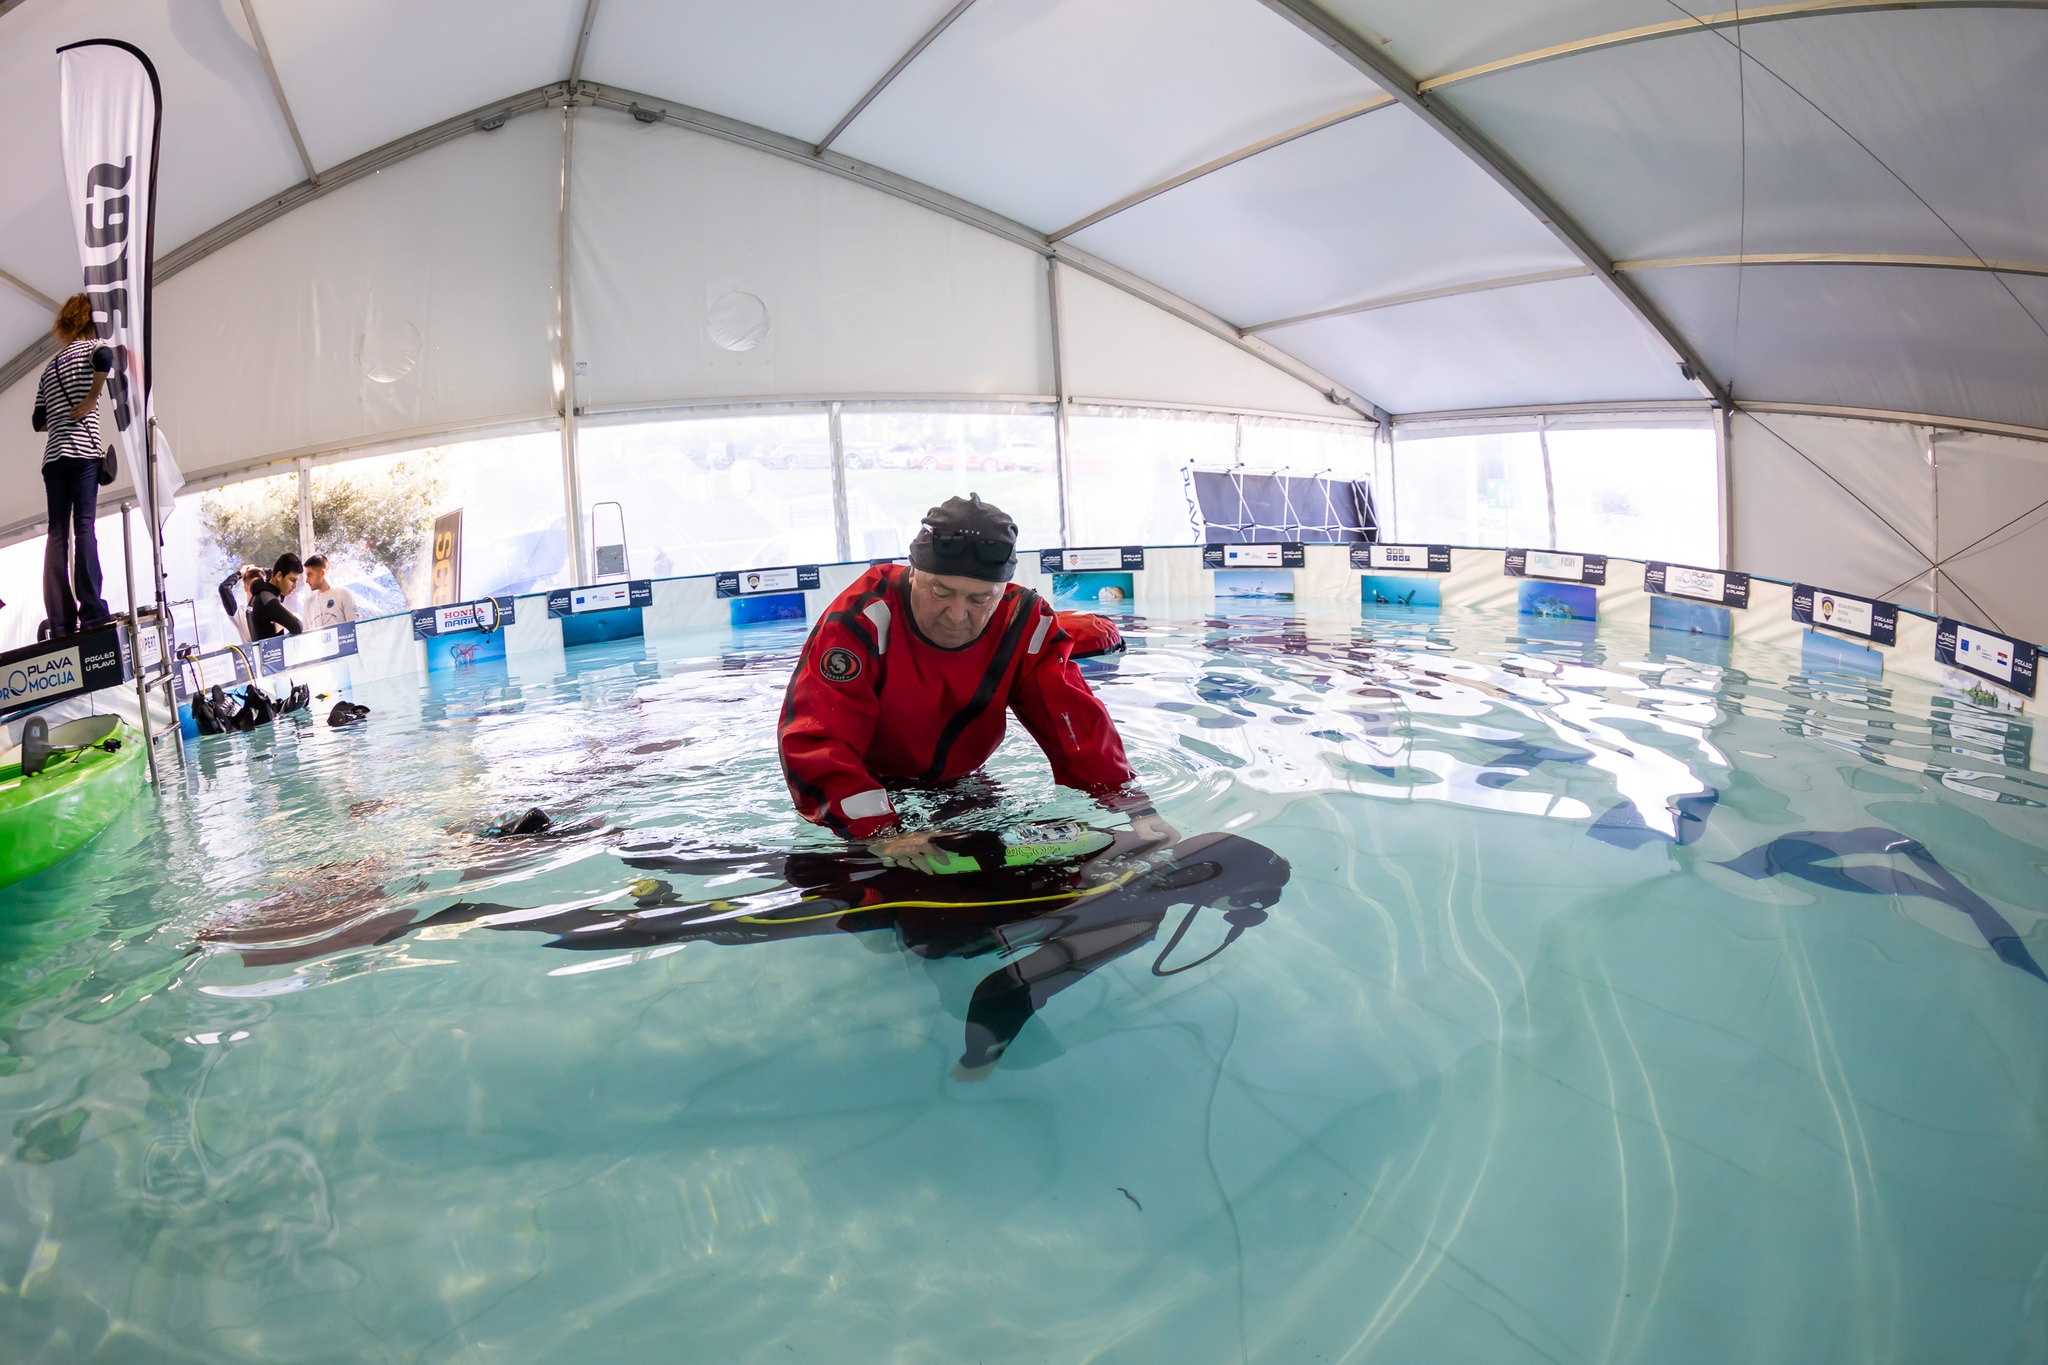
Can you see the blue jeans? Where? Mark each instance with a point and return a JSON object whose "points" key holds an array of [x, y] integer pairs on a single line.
{"points": [[71, 557]]}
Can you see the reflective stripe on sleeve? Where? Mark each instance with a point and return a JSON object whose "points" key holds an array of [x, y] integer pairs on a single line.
{"points": [[878, 614], [866, 805], [1038, 636]]}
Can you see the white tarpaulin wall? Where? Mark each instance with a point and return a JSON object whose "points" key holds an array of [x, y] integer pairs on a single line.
{"points": [[828, 286], [1954, 523]]}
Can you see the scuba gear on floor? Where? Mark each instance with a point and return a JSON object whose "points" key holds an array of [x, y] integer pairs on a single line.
{"points": [[346, 713], [217, 712]]}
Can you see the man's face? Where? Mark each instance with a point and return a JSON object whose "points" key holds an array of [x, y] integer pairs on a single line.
{"points": [[316, 577], [952, 611], [287, 584]]}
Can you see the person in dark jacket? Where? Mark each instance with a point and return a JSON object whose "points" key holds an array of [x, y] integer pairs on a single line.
{"points": [[67, 408], [268, 614]]}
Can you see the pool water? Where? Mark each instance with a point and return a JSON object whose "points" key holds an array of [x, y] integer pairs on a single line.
{"points": [[1511, 997]]}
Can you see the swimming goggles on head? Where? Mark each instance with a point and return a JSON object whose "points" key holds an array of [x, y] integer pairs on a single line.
{"points": [[962, 544]]}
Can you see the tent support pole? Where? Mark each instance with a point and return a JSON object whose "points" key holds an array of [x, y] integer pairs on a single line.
{"points": [[1060, 402], [565, 359]]}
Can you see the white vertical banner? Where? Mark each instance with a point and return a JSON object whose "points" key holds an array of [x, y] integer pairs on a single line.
{"points": [[111, 109]]}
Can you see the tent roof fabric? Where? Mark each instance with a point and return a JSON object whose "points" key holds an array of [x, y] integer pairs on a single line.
{"points": [[1471, 173]]}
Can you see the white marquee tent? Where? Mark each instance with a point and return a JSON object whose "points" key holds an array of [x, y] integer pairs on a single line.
{"points": [[1825, 222]]}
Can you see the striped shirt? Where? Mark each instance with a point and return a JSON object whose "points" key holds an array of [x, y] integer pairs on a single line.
{"points": [[66, 381]]}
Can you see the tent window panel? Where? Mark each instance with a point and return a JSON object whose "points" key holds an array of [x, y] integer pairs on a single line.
{"points": [[1480, 489], [374, 520], [1128, 475], [705, 494], [901, 464], [1649, 493]]}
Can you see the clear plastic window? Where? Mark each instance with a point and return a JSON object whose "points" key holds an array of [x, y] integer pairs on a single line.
{"points": [[899, 464]]}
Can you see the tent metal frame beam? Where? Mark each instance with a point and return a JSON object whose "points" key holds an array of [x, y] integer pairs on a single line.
{"points": [[1449, 291], [1708, 23], [931, 36], [1131, 201], [1372, 61], [284, 106], [29, 292], [1877, 258], [583, 41]]}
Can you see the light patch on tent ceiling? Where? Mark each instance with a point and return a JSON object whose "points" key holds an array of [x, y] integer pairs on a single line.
{"points": [[737, 321]]}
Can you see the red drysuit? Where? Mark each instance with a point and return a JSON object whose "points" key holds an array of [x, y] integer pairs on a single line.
{"points": [[871, 699]]}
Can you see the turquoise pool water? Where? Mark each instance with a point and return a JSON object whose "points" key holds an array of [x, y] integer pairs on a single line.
{"points": [[1608, 1005]]}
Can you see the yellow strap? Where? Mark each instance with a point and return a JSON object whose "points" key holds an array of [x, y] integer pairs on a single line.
{"points": [[943, 905]]}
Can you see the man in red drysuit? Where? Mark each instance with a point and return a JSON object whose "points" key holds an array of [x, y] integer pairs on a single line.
{"points": [[908, 675]]}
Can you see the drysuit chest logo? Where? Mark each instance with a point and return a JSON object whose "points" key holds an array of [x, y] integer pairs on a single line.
{"points": [[839, 665]]}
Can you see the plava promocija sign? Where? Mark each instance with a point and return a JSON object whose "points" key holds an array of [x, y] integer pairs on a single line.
{"points": [[1702, 585]]}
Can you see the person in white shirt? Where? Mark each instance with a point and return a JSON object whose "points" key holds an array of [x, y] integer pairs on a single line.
{"points": [[327, 603]]}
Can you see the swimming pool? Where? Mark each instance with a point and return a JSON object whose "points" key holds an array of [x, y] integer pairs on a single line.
{"points": [[1610, 1004]]}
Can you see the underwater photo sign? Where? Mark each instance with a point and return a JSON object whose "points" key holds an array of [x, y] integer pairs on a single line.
{"points": [[1108, 557], [1858, 616], [1555, 564], [483, 613], [1255, 585], [638, 592], [1272, 554], [748, 582], [757, 608], [464, 651], [1383, 591], [1557, 602], [1402, 558], [2009, 663], [1820, 652], [1094, 591], [1702, 585], [54, 669]]}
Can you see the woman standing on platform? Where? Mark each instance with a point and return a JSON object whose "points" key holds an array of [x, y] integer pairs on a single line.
{"points": [[67, 406]]}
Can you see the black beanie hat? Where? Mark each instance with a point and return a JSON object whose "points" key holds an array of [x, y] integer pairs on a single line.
{"points": [[967, 538]]}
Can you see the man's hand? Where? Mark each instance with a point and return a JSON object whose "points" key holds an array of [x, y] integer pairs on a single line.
{"points": [[913, 851], [1154, 830]]}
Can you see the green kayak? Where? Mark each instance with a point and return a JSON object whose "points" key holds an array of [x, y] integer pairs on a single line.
{"points": [[50, 815]]}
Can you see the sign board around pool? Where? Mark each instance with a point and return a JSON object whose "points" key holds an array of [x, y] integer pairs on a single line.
{"points": [[485, 613], [1702, 585], [1555, 564], [1402, 558], [1858, 616], [1112, 559], [62, 668], [748, 582], [638, 592], [282, 652], [1271, 554], [2009, 663]]}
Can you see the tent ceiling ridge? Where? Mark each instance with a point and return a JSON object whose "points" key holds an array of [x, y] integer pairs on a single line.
{"points": [[1575, 272], [1316, 125], [1880, 258], [1706, 23], [1372, 61]]}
